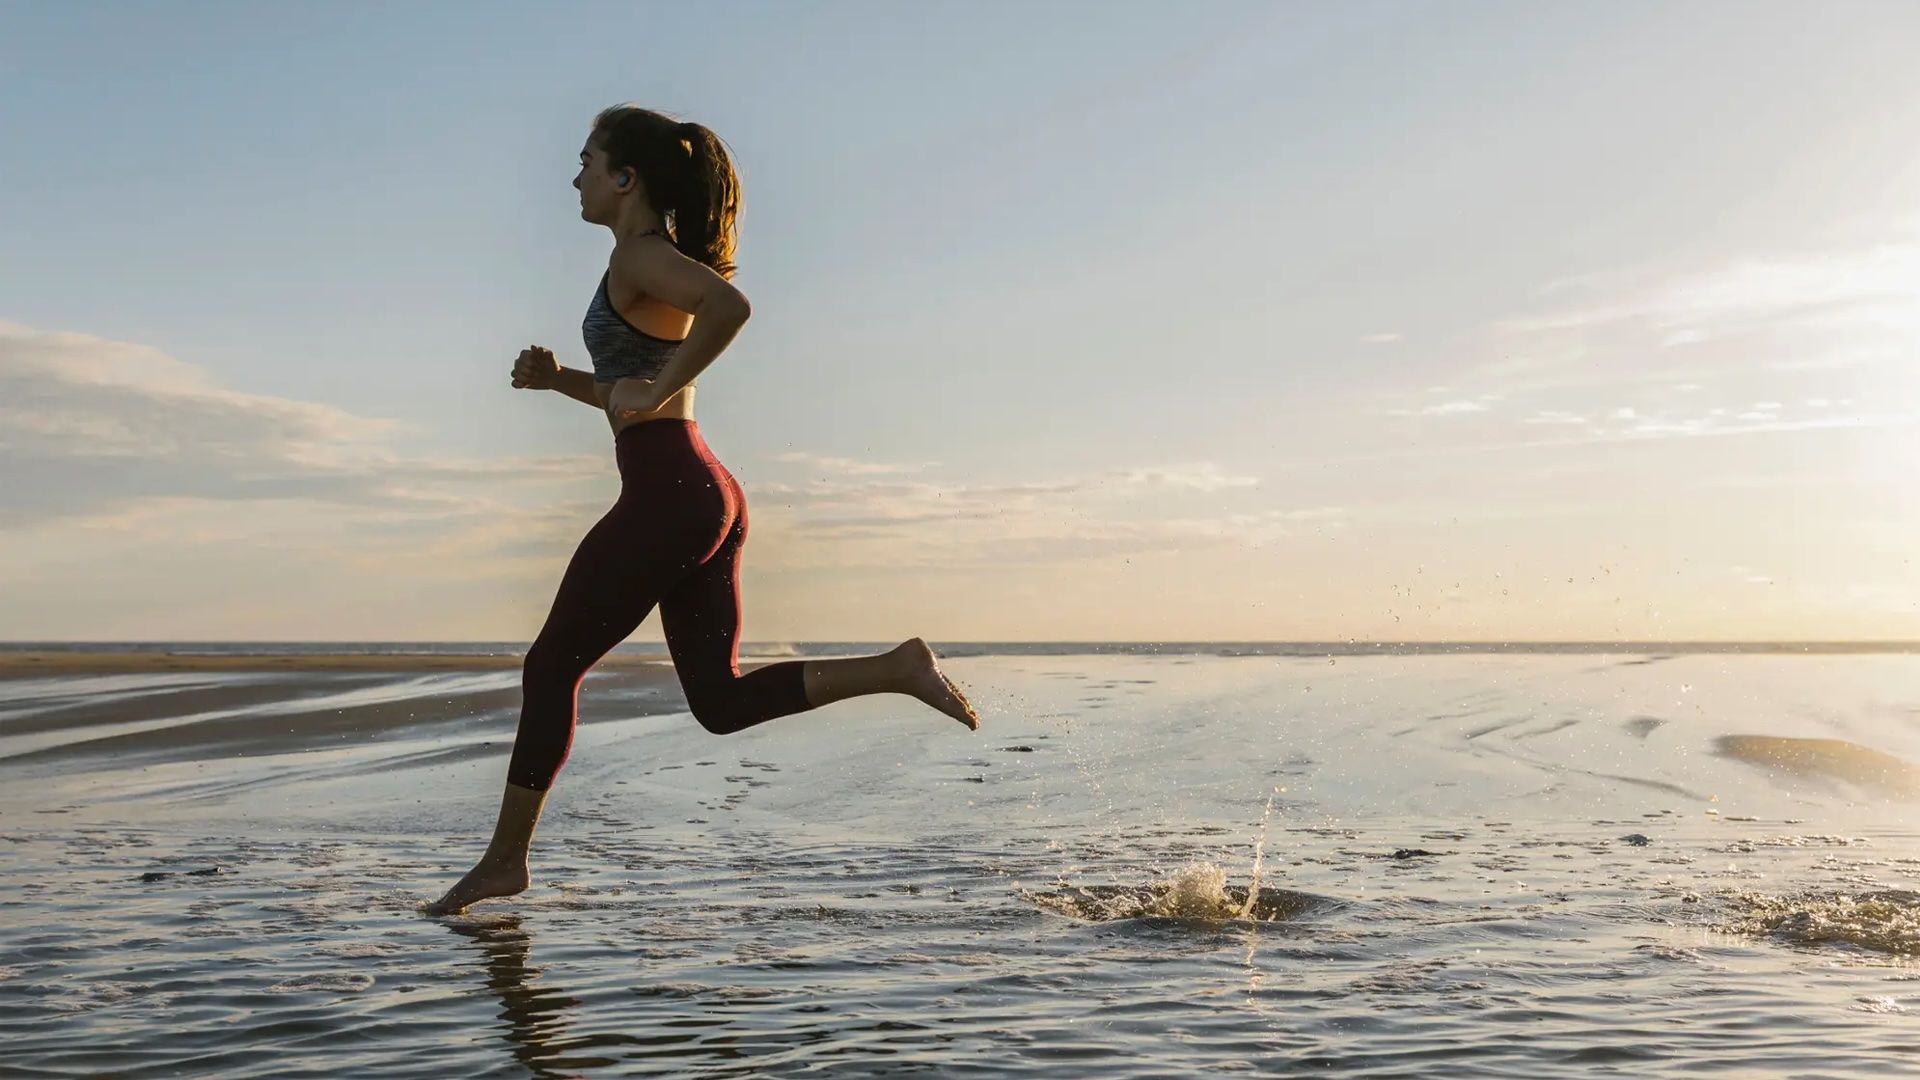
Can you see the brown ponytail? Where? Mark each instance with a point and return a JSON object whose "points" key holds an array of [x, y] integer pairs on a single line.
{"points": [[688, 176]]}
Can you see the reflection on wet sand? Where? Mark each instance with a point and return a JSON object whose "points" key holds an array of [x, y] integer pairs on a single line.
{"points": [[1834, 759], [534, 1015]]}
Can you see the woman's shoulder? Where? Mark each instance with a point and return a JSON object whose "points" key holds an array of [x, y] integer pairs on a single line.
{"points": [[639, 245], [633, 261]]}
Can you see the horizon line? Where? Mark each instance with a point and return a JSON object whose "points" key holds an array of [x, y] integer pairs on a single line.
{"points": [[1343, 642]]}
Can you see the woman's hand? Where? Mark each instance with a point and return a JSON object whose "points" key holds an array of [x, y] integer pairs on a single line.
{"points": [[632, 397], [535, 369]]}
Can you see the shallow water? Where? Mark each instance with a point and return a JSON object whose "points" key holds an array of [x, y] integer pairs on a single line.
{"points": [[1490, 865]]}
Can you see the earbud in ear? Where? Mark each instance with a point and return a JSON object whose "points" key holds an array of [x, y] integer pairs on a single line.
{"points": [[621, 182]]}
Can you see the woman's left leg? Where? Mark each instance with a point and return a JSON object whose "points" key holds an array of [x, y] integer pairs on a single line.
{"points": [[700, 616], [612, 583]]}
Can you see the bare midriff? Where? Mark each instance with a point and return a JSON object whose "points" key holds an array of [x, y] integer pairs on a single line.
{"points": [[660, 320], [677, 407]]}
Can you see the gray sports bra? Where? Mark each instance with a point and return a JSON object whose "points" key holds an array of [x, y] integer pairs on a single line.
{"points": [[620, 349]]}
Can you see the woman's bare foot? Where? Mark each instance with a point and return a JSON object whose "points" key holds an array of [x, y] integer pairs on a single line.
{"points": [[490, 878], [921, 677]]}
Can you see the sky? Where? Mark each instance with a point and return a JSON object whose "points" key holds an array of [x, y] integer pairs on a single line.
{"points": [[1390, 321]]}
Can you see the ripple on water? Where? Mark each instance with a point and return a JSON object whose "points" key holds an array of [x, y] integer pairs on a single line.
{"points": [[347, 982], [81, 996]]}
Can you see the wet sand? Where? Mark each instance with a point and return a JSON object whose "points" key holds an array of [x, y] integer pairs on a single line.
{"points": [[30, 664], [153, 707], [1491, 865]]}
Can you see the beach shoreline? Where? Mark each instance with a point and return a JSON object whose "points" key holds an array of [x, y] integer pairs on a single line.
{"points": [[27, 664], [279, 703]]}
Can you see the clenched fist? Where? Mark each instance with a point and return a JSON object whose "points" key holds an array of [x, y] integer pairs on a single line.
{"points": [[535, 369]]}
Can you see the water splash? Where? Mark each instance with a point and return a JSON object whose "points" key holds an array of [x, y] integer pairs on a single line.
{"points": [[1884, 921], [1198, 890], [1259, 847]]}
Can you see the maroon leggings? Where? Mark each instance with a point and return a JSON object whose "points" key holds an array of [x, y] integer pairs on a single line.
{"points": [[672, 538]]}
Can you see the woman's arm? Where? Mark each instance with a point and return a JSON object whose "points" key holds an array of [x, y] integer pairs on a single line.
{"points": [[577, 385], [712, 331], [719, 311], [715, 324], [536, 369]]}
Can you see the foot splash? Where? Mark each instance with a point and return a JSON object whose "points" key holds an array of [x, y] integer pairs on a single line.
{"points": [[483, 882], [1197, 891]]}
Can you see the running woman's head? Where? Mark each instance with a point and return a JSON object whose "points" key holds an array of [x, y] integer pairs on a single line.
{"points": [[640, 168]]}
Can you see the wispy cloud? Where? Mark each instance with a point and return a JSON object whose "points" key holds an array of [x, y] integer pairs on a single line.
{"points": [[1555, 416], [1628, 424], [89, 424], [1837, 309], [1447, 408], [850, 521], [112, 440], [843, 466], [1711, 423], [1202, 476], [1870, 286]]}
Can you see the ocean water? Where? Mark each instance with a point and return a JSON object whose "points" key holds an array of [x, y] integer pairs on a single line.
{"points": [[1144, 864]]}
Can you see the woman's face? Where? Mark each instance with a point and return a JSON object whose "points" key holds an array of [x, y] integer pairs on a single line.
{"points": [[599, 195]]}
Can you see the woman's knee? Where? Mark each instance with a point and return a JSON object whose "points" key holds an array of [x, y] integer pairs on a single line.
{"points": [[717, 719], [547, 663], [717, 708]]}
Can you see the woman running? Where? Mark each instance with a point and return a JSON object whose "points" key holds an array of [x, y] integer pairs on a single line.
{"points": [[673, 538]]}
